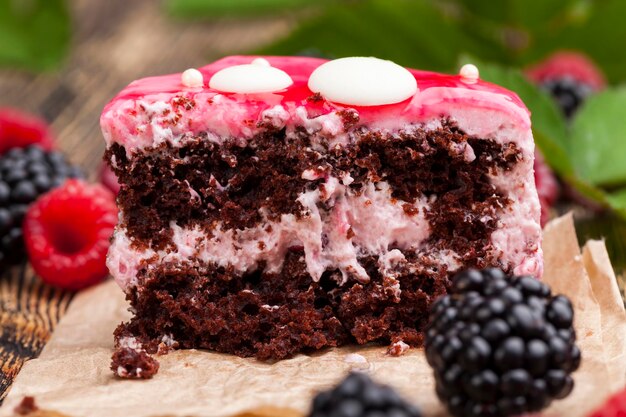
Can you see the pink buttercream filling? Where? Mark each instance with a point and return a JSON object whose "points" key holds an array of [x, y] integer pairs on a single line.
{"points": [[358, 224], [369, 223]]}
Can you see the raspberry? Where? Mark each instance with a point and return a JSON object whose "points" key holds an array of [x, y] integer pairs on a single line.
{"points": [[18, 130], [568, 63], [67, 234], [357, 395], [109, 179], [570, 77], [25, 174], [613, 407], [547, 187], [501, 345]]}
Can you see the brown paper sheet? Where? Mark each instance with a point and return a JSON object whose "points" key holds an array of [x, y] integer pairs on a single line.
{"points": [[72, 374]]}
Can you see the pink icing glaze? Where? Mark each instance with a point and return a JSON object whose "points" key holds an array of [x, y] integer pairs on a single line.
{"points": [[230, 114]]}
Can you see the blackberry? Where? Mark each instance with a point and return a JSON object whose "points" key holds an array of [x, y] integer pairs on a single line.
{"points": [[25, 174], [358, 396], [501, 345], [568, 93]]}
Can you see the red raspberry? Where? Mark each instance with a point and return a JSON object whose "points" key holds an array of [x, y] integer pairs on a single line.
{"points": [[109, 179], [67, 233], [547, 187], [570, 78], [568, 63], [613, 407], [18, 130]]}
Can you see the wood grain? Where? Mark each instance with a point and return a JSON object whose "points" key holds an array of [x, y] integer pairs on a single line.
{"points": [[29, 310], [115, 42]]}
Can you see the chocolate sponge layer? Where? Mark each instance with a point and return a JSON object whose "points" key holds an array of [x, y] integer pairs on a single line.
{"points": [[275, 315], [202, 183]]}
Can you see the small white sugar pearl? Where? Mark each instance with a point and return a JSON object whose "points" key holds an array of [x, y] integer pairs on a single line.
{"points": [[192, 78], [261, 61], [469, 73]]}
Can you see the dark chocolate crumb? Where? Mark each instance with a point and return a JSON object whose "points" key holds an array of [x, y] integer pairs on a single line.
{"points": [[26, 406], [133, 364], [410, 209], [316, 97]]}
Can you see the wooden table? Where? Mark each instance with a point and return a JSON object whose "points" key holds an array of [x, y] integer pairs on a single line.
{"points": [[115, 42]]}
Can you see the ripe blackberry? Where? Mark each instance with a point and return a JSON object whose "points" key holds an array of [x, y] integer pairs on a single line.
{"points": [[358, 396], [25, 174], [568, 93], [570, 77], [501, 345]]}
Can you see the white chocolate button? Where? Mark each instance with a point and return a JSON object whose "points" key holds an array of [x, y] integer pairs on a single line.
{"points": [[192, 78], [469, 73], [361, 81], [256, 77]]}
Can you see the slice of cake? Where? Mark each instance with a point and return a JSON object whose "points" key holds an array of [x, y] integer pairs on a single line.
{"points": [[279, 205]]}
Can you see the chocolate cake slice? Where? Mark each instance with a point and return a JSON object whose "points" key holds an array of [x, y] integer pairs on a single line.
{"points": [[279, 205]]}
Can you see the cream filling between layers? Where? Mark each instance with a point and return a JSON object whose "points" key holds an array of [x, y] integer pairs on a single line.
{"points": [[358, 224], [376, 221]]}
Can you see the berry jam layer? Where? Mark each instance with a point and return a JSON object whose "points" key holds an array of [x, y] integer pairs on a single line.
{"points": [[240, 207], [275, 315]]}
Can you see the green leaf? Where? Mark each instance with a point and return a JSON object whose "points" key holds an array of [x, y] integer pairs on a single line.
{"points": [[217, 8], [34, 34], [414, 33], [598, 139], [612, 228], [598, 30], [588, 190], [519, 13], [617, 200], [431, 34]]}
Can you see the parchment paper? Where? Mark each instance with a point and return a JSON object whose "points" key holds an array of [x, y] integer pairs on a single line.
{"points": [[72, 374]]}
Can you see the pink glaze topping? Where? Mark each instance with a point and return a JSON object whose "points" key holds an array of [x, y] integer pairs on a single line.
{"points": [[163, 108]]}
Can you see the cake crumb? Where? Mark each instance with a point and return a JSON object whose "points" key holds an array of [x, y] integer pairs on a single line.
{"points": [[133, 364], [167, 343], [397, 349], [26, 406]]}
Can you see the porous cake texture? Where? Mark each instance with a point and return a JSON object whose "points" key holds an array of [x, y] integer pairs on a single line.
{"points": [[267, 224]]}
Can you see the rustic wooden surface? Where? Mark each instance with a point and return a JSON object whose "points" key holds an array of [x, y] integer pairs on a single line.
{"points": [[115, 42]]}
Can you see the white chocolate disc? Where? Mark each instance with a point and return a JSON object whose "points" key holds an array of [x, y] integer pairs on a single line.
{"points": [[253, 78], [361, 81], [192, 78], [469, 73]]}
